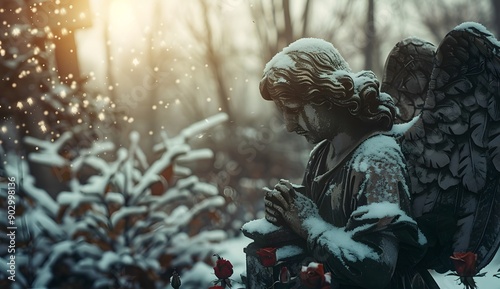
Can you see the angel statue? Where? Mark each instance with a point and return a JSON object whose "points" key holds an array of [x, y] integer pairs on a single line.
{"points": [[404, 176]]}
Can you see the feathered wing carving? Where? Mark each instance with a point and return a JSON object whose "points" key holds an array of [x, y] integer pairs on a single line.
{"points": [[453, 150], [407, 73]]}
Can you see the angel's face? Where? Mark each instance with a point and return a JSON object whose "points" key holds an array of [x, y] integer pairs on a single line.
{"points": [[310, 120]]}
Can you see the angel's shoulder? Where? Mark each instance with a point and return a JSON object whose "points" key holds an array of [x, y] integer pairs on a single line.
{"points": [[378, 146], [376, 152]]}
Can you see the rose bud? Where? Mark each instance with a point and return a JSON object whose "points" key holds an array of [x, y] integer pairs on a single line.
{"points": [[284, 275], [175, 280], [223, 268]]}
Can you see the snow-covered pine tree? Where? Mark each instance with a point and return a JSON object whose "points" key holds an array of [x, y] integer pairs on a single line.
{"points": [[125, 226]]}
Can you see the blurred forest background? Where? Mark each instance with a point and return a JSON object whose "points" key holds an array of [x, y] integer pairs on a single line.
{"points": [[102, 69]]}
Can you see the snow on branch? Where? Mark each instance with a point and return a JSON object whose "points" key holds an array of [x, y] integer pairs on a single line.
{"points": [[195, 155], [199, 246], [157, 167], [48, 153], [20, 170], [193, 130], [127, 212]]}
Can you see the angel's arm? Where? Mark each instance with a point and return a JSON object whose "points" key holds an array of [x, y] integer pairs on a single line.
{"points": [[365, 251], [368, 261]]}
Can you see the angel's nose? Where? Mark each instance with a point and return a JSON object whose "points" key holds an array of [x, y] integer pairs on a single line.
{"points": [[291, 122]]}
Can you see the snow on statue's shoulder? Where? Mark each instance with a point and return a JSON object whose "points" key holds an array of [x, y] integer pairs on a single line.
{"points": [[381, 155], [377, 150]]}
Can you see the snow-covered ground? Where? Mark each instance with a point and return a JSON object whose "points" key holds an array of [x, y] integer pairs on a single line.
{"points": [[202, 274]]}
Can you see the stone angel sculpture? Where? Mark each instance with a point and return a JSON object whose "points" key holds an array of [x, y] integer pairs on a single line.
{"points": [[404, 177]]}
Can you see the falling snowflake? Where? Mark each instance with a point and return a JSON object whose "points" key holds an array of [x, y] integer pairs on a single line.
{"points": [[42, 126], [16, 31]]}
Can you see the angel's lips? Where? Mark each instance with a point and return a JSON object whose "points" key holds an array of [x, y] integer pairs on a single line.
{"points": [[301, 132]]}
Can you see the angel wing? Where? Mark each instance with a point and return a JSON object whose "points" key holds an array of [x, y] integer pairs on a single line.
{"points": [[406, 76], [453, 150]]}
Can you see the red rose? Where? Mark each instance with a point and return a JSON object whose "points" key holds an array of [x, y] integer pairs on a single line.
{"points": [[284, 277], [465, 263], [223, 268], [216, 287], [267, 256], [313, 276]]}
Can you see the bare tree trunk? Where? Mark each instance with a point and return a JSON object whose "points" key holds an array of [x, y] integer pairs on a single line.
{"points": [[275, 26], [496, 16], [288, 33], [214, 62], [107, 49], [370, 46], [152, 99], [68, 67], [305, 18]]}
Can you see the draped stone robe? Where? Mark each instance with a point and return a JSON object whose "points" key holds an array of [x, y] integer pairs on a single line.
{"points": [[369, 239]]}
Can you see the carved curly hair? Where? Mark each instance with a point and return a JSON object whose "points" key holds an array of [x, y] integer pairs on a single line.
{"points": [[312, 70]]}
